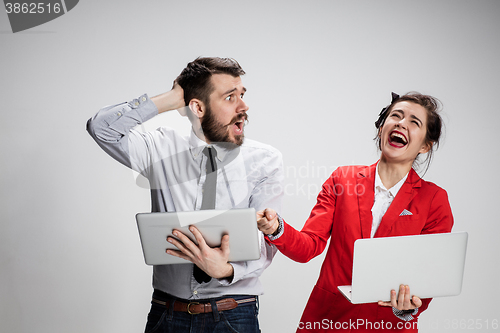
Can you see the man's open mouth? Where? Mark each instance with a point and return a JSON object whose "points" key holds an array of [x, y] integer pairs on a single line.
{"points": [[238, 127], [239, 122], [397, 139]]}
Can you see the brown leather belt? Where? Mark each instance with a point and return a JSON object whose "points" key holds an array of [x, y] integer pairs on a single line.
{"points": [[197, 307]]}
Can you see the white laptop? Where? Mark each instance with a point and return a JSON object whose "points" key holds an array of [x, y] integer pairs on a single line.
{"points": [[239, 224], [432, 265]]}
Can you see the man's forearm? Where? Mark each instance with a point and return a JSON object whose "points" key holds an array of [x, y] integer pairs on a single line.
{"points": [[171, 100]]}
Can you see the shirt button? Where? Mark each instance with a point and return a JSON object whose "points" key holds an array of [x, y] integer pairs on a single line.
{"points": [[119, 114], [143, 98], [195, 292], [136, 103]]}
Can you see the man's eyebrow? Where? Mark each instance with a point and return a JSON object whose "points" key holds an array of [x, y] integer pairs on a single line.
{"points": [[233, 90], [229, 91]]}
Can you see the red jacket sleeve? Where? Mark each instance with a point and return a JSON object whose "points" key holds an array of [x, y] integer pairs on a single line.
{"points": [[308, 243]]}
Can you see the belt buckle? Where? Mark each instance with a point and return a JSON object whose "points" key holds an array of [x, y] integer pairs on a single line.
{"points": [[189, 311]]}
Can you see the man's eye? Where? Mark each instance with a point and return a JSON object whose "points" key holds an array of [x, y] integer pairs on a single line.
{"points": [[241, 96], [395, 115], [228, 98]]}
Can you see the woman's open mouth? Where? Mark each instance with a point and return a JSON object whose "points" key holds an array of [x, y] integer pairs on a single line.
{"points": [[397, 139]]}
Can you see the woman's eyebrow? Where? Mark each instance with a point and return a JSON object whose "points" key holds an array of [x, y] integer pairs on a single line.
{"points": [[416, 118], [411, 116]]}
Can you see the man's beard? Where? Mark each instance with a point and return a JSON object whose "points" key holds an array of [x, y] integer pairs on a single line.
{"points": [[215, 131]]}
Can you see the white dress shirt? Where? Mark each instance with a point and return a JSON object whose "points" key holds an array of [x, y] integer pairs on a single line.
{"points": [[248, 176], [383, 199]]}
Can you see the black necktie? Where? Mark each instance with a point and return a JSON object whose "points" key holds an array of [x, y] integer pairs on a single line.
{"points": [[208, 202]]}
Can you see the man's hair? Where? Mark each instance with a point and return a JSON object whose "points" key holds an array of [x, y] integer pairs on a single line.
{"points": [[195, 78]]}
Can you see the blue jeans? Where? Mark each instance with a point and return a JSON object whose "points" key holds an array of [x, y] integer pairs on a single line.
{"points": [[242, 319]]}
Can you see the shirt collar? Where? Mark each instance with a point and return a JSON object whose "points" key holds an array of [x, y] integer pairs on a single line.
{"points": [[393, 190], [196, 146]]}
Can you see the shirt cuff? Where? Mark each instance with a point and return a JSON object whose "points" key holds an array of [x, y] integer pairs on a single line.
{"points": [[279, 231], [239, 268], [144, 107], [405, 315]]}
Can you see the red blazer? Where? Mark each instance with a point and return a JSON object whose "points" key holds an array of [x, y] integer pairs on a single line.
{"points": [[343, 212]]}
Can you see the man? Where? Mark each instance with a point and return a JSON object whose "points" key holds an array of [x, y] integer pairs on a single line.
{"points": [[247, 173]]}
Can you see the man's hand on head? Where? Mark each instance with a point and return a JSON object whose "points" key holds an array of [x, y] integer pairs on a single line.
{"points": [[213, 261], [171, 100]]}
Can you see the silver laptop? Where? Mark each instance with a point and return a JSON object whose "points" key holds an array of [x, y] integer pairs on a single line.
{"points": [[432, 265], [239, 224]]}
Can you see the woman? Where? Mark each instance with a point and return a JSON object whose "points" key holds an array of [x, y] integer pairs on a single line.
{"points": [[385, 199]]}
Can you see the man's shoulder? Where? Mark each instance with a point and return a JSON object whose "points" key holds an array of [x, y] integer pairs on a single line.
{"points": [[167, 130], [164, 132], [165, 140], [252, 145]]}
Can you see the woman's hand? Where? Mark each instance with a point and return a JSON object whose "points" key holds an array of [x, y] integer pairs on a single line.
{"points": [[267, 221], [404, 300]]}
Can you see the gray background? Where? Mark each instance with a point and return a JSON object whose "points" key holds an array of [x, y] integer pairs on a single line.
{"points": [[318, 74]]}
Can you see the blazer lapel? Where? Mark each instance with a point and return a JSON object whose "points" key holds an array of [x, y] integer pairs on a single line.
{"points": [[400, 202], [365, 184]]}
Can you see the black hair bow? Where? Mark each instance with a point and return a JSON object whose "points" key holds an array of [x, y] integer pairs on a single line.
{"points": [[381, 116]]}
